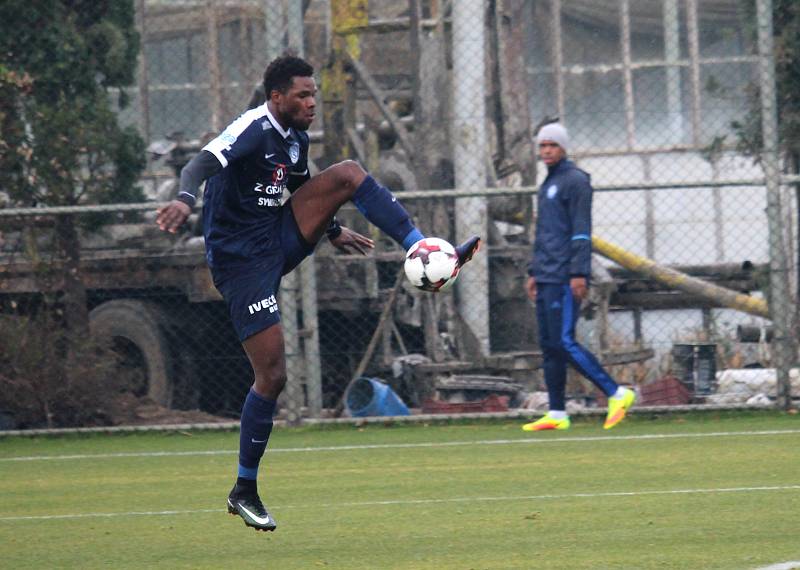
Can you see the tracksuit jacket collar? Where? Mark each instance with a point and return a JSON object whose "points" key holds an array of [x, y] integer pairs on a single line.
{"points": [[562, 164]]}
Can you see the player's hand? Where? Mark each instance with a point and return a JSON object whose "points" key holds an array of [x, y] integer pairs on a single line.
{"points": [[579, 287], [349, 241], [530, 288], [172, 216]]}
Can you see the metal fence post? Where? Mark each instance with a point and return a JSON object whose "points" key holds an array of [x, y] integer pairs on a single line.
{"points": [[311, 351], [275, 22], [294, 25], [294, 352], [308, 269], [781, 306], [470, 151]]}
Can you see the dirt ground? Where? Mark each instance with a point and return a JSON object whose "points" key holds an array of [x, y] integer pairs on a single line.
{"points": [[142, 411]]}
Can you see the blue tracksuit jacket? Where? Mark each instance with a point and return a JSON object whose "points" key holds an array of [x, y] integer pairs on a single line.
{"points": [[563, 249], [563, 245]]}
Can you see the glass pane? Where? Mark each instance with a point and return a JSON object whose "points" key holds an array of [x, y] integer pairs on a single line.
{"points": [[590, 32], [723, 25], [595, 110], [724, 97], [660, 118]]}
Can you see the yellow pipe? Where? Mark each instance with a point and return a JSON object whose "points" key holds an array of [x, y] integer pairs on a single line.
{"points": [[678, 280]]}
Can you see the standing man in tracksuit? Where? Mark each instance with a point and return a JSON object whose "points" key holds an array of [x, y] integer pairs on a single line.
{"points": [[559, 281]]}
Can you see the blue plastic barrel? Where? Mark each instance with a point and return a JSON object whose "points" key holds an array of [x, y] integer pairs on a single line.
{"points": [[370, 397]]}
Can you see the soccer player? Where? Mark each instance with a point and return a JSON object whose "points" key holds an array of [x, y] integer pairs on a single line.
{"points": [[253, 238], [559, 279]]}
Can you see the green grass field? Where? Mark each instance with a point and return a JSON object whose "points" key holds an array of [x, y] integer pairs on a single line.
{"points": [[704, 491]]}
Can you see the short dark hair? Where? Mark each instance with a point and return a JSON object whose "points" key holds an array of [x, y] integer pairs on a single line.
{"points": [[280, 72]]}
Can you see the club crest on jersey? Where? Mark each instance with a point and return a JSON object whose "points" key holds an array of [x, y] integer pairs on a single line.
{"points": [[294, 153], [552, 191], [279, 174]]}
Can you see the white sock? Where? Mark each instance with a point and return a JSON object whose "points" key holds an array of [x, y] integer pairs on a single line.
{"points": [[619, 393], [558, 414]]}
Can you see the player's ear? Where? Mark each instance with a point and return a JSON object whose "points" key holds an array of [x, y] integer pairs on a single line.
{"points": [[275, 94]]}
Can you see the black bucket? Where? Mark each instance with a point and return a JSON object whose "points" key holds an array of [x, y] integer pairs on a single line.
{"points": [[695, 365]]}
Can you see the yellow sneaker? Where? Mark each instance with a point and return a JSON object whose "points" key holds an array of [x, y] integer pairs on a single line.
{"points": [[546, 422], [617, 407]]}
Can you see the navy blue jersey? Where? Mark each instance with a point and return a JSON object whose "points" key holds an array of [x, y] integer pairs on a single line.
{"points": [[563, 242], [260, 161]]}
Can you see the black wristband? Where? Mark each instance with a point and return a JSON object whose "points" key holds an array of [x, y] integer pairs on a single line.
{"points": [[187, 199], [334, 230]]}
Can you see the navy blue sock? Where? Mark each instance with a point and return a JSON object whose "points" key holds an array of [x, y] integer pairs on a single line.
{"points": [[382, 209], [256, 426]]}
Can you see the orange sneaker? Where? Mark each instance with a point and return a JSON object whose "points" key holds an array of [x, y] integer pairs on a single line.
{"points": [[617, 407], [547, 422]]}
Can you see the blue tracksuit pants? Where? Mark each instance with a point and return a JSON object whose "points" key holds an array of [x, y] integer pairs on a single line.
{"points": [[557, 311]]}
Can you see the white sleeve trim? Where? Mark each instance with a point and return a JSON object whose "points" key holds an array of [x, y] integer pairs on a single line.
{"points": [[230, 134], [215, 147]]}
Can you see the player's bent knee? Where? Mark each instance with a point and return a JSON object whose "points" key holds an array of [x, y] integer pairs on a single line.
{"points": [[349, 174]]}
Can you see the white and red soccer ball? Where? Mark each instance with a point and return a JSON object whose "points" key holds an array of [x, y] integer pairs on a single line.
{"points": [[432, 265]]}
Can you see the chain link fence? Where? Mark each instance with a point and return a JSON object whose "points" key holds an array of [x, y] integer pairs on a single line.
{"points": [[695, 232]]}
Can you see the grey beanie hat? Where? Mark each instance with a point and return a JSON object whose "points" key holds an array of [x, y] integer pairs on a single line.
{"points": [[554, 132]]}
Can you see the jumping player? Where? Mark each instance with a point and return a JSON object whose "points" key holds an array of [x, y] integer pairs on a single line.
{"points": [[253, 238]]}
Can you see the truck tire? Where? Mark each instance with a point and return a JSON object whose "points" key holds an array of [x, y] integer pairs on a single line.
{"points": [[144, 326]]}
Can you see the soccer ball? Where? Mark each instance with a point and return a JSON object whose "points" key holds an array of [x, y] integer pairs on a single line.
{"points": [[432, 265]]}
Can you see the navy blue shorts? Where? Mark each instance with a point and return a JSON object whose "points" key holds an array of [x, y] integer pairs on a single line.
{"points": [[251, 291]]}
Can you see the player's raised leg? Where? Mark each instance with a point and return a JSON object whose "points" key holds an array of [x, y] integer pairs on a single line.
{"points": [[318, 200]]}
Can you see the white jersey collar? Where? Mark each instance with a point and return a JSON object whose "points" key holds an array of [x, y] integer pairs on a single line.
{"points": [[275, 124]]}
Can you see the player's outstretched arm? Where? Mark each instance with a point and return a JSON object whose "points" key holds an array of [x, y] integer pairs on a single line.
{"points": [[349, 241], [203, 166]]}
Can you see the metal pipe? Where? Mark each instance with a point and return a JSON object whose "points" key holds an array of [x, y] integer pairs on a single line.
{"points": [[416, 194], [649, 209], [579, 69], [403, 195], [558, 59], [627, 74], [672, 52], [694, 59]]}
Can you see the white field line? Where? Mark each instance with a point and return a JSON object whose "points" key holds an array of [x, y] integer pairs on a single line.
{"points": [[532, 440], [401, 502], [794, 565]]}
